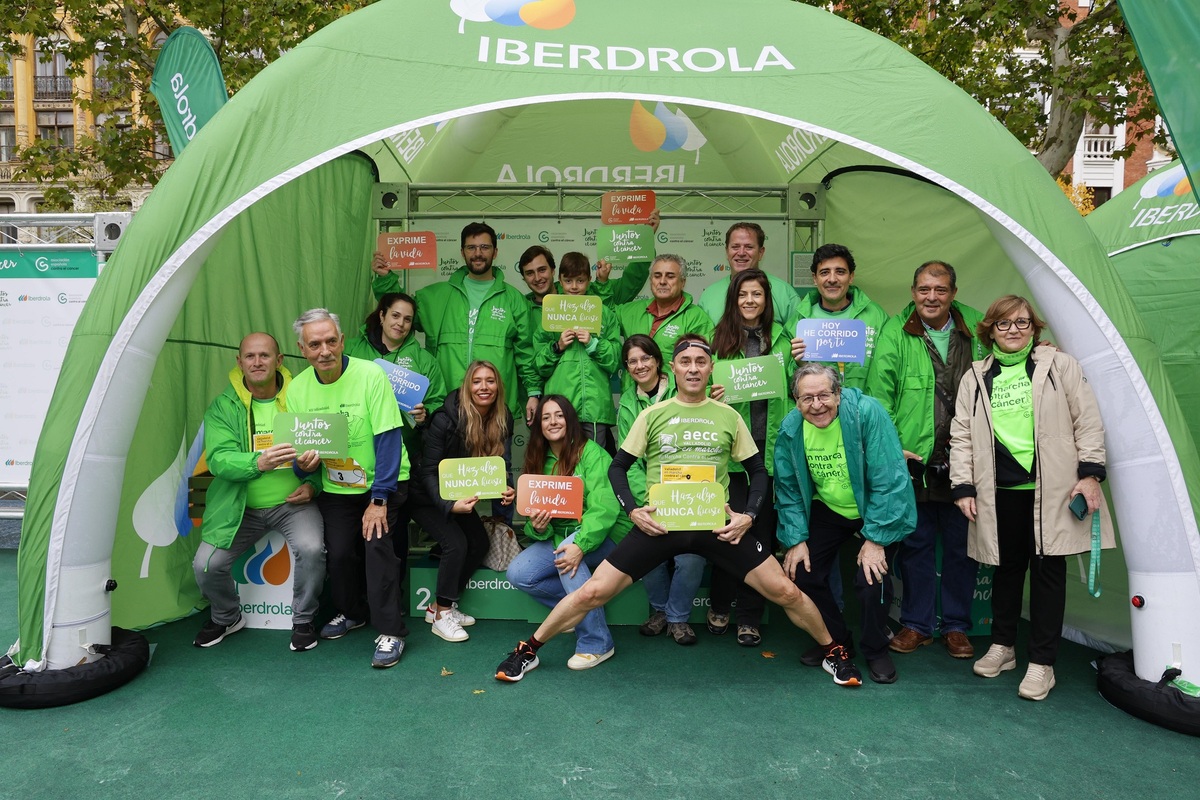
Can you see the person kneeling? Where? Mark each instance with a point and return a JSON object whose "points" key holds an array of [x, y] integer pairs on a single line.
{"points": [[567, 550]]}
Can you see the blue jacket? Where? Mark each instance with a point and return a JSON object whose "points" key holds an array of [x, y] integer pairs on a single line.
{"points": [[879, 476]]}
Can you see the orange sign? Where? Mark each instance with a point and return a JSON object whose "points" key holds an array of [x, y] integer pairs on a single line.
{"points": [[409, 249], [630, 207], [561, 495]]}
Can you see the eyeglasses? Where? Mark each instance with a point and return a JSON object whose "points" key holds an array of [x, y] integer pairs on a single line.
{"points": [[633, 362], [479, 248], [807, 400], [1022, 323]]}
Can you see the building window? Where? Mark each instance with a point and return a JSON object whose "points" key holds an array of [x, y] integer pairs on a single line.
{"points": [[6, 83], [8, 232], [8, 136], [57, 126], [1101, 195], [50, 81]]}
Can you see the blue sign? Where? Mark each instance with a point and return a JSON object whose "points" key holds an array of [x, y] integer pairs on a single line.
{"points": [[833, 339], [410, 387]]}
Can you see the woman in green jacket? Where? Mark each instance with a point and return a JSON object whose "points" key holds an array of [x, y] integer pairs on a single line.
{"points": [[565, 551], [748, 329], [387, 333]]}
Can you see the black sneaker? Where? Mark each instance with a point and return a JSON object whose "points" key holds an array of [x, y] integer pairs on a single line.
{"points": [[838, 664], [882, 669], [519, 661], [213, 634], [304, 637], [815, 655], [654, 625]]}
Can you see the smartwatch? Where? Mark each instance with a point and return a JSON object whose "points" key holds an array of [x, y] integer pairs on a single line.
{"points": [[379, 501]]}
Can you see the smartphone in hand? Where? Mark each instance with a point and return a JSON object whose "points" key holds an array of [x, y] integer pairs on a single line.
{"points": [[1079, 506]]}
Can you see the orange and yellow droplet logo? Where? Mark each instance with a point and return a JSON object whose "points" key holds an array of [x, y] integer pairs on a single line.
{"points": [[268, 566], [545, 15], [663, 129]]}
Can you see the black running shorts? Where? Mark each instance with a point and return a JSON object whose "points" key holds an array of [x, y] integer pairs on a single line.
{"points": [[639, 552]]}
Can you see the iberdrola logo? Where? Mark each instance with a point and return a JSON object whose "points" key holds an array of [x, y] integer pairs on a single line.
{"points": [[269, 562], [545, 15], [664, 130], [1169, 183]]}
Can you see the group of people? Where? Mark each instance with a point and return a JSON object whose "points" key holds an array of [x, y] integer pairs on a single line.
{"points": [[958, 426]]}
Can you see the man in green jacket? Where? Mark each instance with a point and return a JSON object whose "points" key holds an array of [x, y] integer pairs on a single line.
{"points": [[835, 297], [254, 491], [920, 356], [745, 246], [671, 313], [475, 315], [839, 471]]}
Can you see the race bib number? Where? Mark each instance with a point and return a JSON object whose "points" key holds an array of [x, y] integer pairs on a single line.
{"points": [[345, 472], [689, 473]]}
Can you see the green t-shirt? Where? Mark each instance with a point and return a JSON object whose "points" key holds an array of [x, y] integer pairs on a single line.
{"points": [[1012, 415], [825, 451], [704, 435], [364, 394], [941, 340], [477, 292], [271, 488]]}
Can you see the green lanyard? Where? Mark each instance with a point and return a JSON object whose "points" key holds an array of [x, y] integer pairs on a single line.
{"points": [[1094, 566]]}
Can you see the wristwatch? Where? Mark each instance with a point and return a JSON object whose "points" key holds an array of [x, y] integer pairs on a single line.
{"points": [[379, 501]]}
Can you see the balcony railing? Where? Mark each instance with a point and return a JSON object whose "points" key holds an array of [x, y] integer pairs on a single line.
{"points": [[1099, 147], [51, 87]]}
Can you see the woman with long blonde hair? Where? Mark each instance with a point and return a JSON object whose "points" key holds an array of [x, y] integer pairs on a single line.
{"points": [[474, 422]]}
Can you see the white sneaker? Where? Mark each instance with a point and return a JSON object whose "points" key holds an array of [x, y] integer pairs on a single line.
{"points": [[997, 659], [589, 660], [465, 620], [447, 627], [1038, 682]]}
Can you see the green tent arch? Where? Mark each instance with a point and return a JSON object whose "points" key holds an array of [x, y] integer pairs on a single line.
{"points": [[267, 212]]}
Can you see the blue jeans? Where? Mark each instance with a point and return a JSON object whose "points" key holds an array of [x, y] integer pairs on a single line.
{"points": [[918, 570], [676, 593], [534, 573]]}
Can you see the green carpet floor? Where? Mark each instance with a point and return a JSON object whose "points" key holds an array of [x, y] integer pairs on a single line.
{"points": [[250, 719]]}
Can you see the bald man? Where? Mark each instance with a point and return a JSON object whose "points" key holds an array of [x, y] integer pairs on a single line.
{"points": [[255, 491]]}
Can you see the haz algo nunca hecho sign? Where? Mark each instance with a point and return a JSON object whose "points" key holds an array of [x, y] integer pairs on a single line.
{"points": [[688, 506], [564, 312], [462, 478]]}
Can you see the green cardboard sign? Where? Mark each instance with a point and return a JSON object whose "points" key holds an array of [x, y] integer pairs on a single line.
{"points": [[688, 506], [562, 312], [325, 433], [750, 378], [621, 244], [460, 478]]}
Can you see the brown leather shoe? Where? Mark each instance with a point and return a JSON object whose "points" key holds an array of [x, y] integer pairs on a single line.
{"points": [[958, 645], [908, 640]]}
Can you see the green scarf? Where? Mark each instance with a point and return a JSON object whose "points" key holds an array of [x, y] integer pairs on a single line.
{"points": [[1008, 359]]}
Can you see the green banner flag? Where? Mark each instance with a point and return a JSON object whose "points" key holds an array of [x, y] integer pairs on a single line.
{"points": [[1166, 33], [188, 85]]}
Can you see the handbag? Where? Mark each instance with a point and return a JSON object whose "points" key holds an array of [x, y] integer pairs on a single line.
{"points": [[503, 546]]}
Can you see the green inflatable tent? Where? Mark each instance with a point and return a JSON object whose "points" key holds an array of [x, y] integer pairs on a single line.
{"points": [[1151, 232], [274, 206]]}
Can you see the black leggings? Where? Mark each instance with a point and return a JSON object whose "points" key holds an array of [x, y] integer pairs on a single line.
{"points": [[464, 544]]}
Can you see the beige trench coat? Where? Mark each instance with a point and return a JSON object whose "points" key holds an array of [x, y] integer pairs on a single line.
{"points": [[1067, 431]]}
